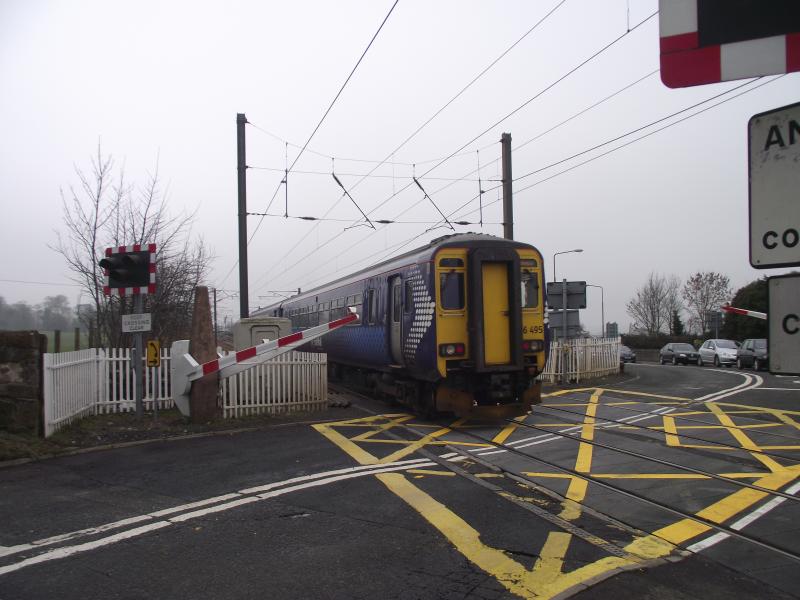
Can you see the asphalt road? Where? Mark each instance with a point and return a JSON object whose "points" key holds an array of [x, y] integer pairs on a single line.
{"points": [[381, 504]]}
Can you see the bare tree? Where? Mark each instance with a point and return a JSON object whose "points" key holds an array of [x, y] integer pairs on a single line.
{"points": [[652, 307], [705, 292], [105, 211]]}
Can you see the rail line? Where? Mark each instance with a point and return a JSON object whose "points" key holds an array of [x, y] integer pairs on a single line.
{"points": [[683, 435], [723, 529]]}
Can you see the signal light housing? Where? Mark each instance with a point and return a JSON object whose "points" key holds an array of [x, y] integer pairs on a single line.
{"points": [[130, 270]]}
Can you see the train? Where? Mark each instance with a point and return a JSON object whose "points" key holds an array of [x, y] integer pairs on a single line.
{"points": [[457, 325]]}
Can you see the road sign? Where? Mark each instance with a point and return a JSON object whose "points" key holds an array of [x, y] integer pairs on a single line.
{"points": [[576, 294], [153, 353], [783, 318], [136, 323], [774, 148], [557, 319], [707, 41]]}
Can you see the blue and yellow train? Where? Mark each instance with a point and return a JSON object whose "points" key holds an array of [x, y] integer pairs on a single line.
{"points": [[454, 326]]}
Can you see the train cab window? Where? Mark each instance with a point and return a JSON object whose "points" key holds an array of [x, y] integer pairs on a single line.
{"points": [[451, 289], [451, 262], [529, 282]]}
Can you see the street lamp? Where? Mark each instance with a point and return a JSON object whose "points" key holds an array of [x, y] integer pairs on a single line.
{"points": [[564, 252], [602, 308]]}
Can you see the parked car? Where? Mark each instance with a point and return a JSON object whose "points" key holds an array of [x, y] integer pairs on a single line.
{"points": [[718, 352], [678, 353], [753, 353], [626, 354]]}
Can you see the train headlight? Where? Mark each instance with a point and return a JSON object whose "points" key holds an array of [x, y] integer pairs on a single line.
{"points": [[450, 350], [532, 345]]}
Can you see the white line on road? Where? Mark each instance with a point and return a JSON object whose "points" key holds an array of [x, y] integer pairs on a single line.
{"points": [[743, 522], [238, 499]]}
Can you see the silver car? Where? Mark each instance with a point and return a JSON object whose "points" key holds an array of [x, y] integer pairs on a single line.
{"points": [[718, 352]]}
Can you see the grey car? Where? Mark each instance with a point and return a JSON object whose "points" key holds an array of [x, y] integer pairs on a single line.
{"points": [[718, 352], [753, 353]]}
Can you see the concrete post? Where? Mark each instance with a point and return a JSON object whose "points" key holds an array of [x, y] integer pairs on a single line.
{"points": [[203, 397]]}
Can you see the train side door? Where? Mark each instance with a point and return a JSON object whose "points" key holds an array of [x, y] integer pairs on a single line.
{"points": [[396, 319]]}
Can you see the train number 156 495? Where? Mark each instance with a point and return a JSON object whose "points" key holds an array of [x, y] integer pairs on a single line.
{"points": [[533, 329]]}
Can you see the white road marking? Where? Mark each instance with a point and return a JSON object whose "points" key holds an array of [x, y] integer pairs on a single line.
{"points": [[743, 522], [238, 499]]}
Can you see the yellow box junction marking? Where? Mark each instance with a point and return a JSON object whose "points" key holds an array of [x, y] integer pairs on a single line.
{"points": [[546, 579]]}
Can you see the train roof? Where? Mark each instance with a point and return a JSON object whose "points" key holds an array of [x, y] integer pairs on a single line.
{"points": [[425, 252]]}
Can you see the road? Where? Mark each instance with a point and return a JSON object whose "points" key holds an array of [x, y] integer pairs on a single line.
{"points": [[671, 482]]}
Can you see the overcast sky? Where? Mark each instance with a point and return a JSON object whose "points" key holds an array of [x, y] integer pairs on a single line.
{"points": [[166, 79]]}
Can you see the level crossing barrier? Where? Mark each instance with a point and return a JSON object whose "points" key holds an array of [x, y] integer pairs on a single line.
{"points": [[743, 311], [185, 369]]}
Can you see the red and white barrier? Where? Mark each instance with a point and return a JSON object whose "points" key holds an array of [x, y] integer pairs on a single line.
{"points": [[746, 313], [186, 369]]}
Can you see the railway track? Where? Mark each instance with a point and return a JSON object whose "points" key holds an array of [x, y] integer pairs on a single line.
{"points": [[572, 433]]}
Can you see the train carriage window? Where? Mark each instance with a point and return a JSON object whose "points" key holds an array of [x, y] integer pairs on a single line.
{"points": [[370, 307], [529, 282], [396, 298], [408, 302], [451, 286]]}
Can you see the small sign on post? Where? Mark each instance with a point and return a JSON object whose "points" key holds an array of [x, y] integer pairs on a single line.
{"points": [[136, 323], [153, 353]]}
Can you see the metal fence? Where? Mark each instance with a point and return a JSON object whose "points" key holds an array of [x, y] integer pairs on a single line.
{"points": [[581, 358], [101, 381]]}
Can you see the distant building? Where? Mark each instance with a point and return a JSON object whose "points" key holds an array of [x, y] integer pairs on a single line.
{"points": [[612, 330]]}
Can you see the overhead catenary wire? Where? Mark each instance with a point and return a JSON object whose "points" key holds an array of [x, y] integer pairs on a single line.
{"points": [[428, 121], [346, 193], [398, 247], [319, 124], [621, 146], [520, 107]]}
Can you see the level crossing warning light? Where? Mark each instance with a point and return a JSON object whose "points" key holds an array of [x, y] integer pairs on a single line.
{"points": [[708, 41], [130, 270]]}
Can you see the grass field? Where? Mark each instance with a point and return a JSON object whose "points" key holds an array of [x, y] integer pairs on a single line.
{"points": [[67, 340]]}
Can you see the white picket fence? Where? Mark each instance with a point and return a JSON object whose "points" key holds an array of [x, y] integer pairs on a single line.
{"points": [[291, 382], [581, 358], [101, 381]]}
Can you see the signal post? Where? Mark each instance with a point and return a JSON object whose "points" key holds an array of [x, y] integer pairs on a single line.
{"points": [[131, 271]]}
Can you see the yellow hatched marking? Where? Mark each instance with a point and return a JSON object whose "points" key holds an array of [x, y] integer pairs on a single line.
{"points": [[728, 507], [544, 582], [583, 464], [423, 441], [381, 428], [647, 475], [508, 430], [745, 442], [679, 399], [429, 472], [757, 409], [563, 392], [551, 557]]}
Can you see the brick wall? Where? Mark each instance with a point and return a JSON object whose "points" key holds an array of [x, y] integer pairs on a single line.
{"points": [[21, 381]]}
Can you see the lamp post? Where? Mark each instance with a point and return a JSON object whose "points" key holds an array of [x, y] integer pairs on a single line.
{"points": [[602, 308], [564, 252]]}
